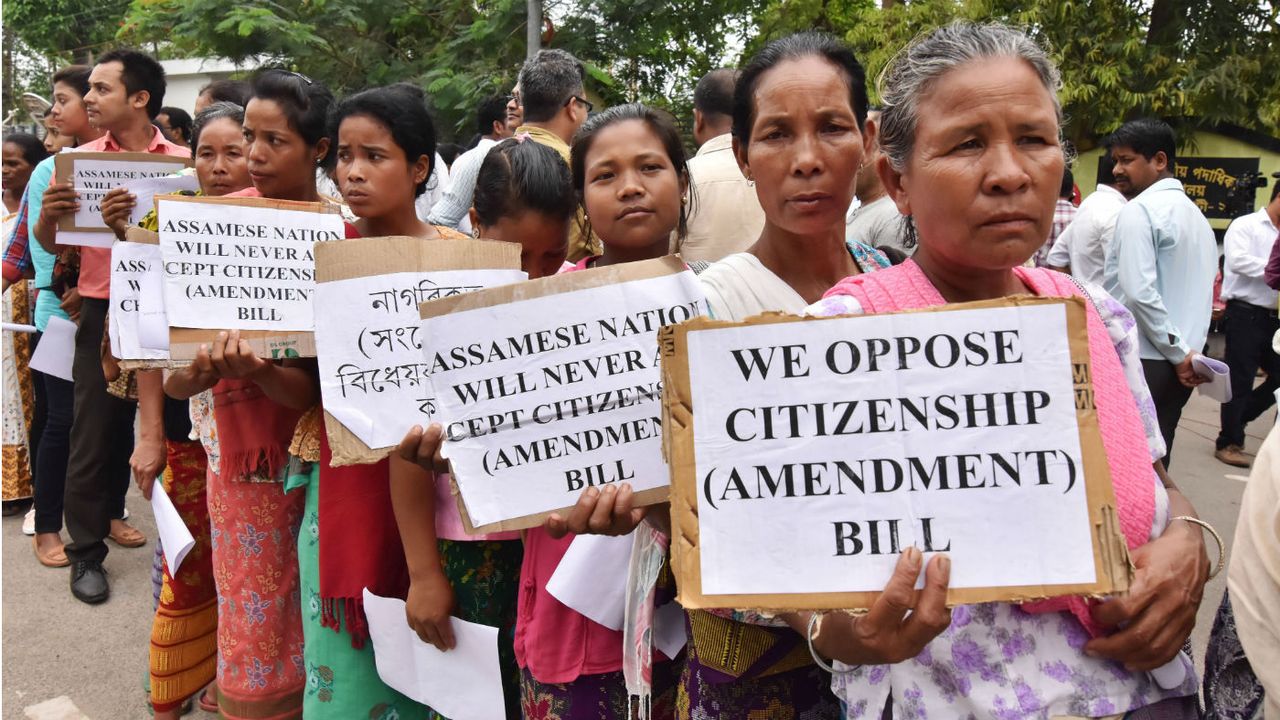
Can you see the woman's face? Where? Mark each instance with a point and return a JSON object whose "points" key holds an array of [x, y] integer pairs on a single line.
{"points": [[986, 166], [68, 112], [281, 163], [221, 164], [543, 239], [375, 177], [805, 147], [14, 169], [631, 190]]}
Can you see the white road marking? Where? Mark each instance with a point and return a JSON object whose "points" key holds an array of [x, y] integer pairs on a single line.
{"points": [[59, 708]]}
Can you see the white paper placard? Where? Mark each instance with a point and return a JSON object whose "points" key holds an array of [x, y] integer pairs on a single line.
{"points": [[543, 397], [87, 239], [57, 348], [372, 374], [94, 177], [591, 578], [857, 445], [133, 266], [244, 267], [175, 536], [144, 190]]}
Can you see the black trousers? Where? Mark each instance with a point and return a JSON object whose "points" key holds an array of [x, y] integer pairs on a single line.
{"points": [[101, 443], [1170, 395], [1249, 330], [50, 460]]}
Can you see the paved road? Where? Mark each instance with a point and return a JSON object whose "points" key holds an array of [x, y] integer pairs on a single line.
{"points": [[55, 646]]}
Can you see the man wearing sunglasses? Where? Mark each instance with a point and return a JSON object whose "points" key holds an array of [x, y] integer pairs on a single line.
{"points": [[551, 92]]}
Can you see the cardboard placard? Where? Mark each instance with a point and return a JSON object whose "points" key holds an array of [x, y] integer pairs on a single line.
{"points": [[184, 342], [403, 264], [546, 410], [801, 489], [94, 174]]}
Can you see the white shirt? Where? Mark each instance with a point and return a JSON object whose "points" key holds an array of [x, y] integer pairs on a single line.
{"points": [[437, 183], [1246, 248], [451, 209], [1085, 242], [726, 217], [1161, 266]]}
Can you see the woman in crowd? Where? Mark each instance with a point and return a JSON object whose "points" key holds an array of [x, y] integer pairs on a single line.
{"points": [[184, 632], [523, 195], [385, 145], [22, 416], [247, 426], [56, 295], [972, 156]]}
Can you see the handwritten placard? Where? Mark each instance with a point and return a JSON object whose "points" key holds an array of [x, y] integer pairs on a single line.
{"points": [[241, 263], [368, 342], [807, 454], [94, 174], [551, 386]]}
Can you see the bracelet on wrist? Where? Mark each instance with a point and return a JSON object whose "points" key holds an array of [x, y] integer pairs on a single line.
{"points": [[1222, 548]]}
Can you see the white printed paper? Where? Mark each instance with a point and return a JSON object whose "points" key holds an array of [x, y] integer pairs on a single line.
{"points": [[133, 266], [57, 348], [241, 267], [153, 321], [372, 374], [592, 578], [464, 683], [175, 537], [544, 397], [144, 190], [93, 179], [953, 431], [87, 239], [19, 327], [669, 633], [1219, 375]]}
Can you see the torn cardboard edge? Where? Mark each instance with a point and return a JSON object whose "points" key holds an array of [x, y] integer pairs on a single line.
{"points": [[560, 284], [184, 343], [1110, 552], [64, 166], [366, 257]]}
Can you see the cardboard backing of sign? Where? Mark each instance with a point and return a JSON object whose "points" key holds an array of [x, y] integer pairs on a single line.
{"points": [[64, 163], [1110, 553], [552, 285], [184, 343], [383, 255]]}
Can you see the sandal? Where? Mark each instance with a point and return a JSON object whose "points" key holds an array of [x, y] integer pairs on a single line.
{"points": [[127, 536], [209, 700], [51, 559]]}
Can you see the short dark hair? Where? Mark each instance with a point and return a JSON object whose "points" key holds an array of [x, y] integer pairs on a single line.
{"points": [[519, 175], [305, 103], [140, 72], [1146, 136], [400, 108], [76, 76], [1068, 189], [713, 95], [795, 47], [547, 81], [216, 111], [490, 111], [32, 149], [658, 121], [1106, 169], [179, 120], [237, 92]]}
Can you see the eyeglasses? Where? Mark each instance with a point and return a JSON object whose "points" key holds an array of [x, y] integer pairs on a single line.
{"points": [[587, 103]]}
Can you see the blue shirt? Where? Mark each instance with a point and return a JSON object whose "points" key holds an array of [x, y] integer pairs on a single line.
{"points": [[1161, 265], [47, 304]]}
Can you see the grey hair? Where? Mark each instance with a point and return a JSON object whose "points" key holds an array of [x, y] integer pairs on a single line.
{"points": [[547, 80], [911, 73], [215, 111]]}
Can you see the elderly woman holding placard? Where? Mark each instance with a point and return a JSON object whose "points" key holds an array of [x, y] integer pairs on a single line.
{"points": [[973, 159]]}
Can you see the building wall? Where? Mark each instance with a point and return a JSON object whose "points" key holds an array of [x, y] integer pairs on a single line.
{"points": [[1204, 144]]}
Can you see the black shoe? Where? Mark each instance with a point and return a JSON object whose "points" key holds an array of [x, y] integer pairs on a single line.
{"points": [[89, 582]]}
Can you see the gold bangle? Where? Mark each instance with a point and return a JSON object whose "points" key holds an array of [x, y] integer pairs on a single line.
{"points": [[1222, 548]]}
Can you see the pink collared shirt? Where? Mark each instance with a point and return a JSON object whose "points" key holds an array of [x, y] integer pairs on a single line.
{"points": [[95, 263]]}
